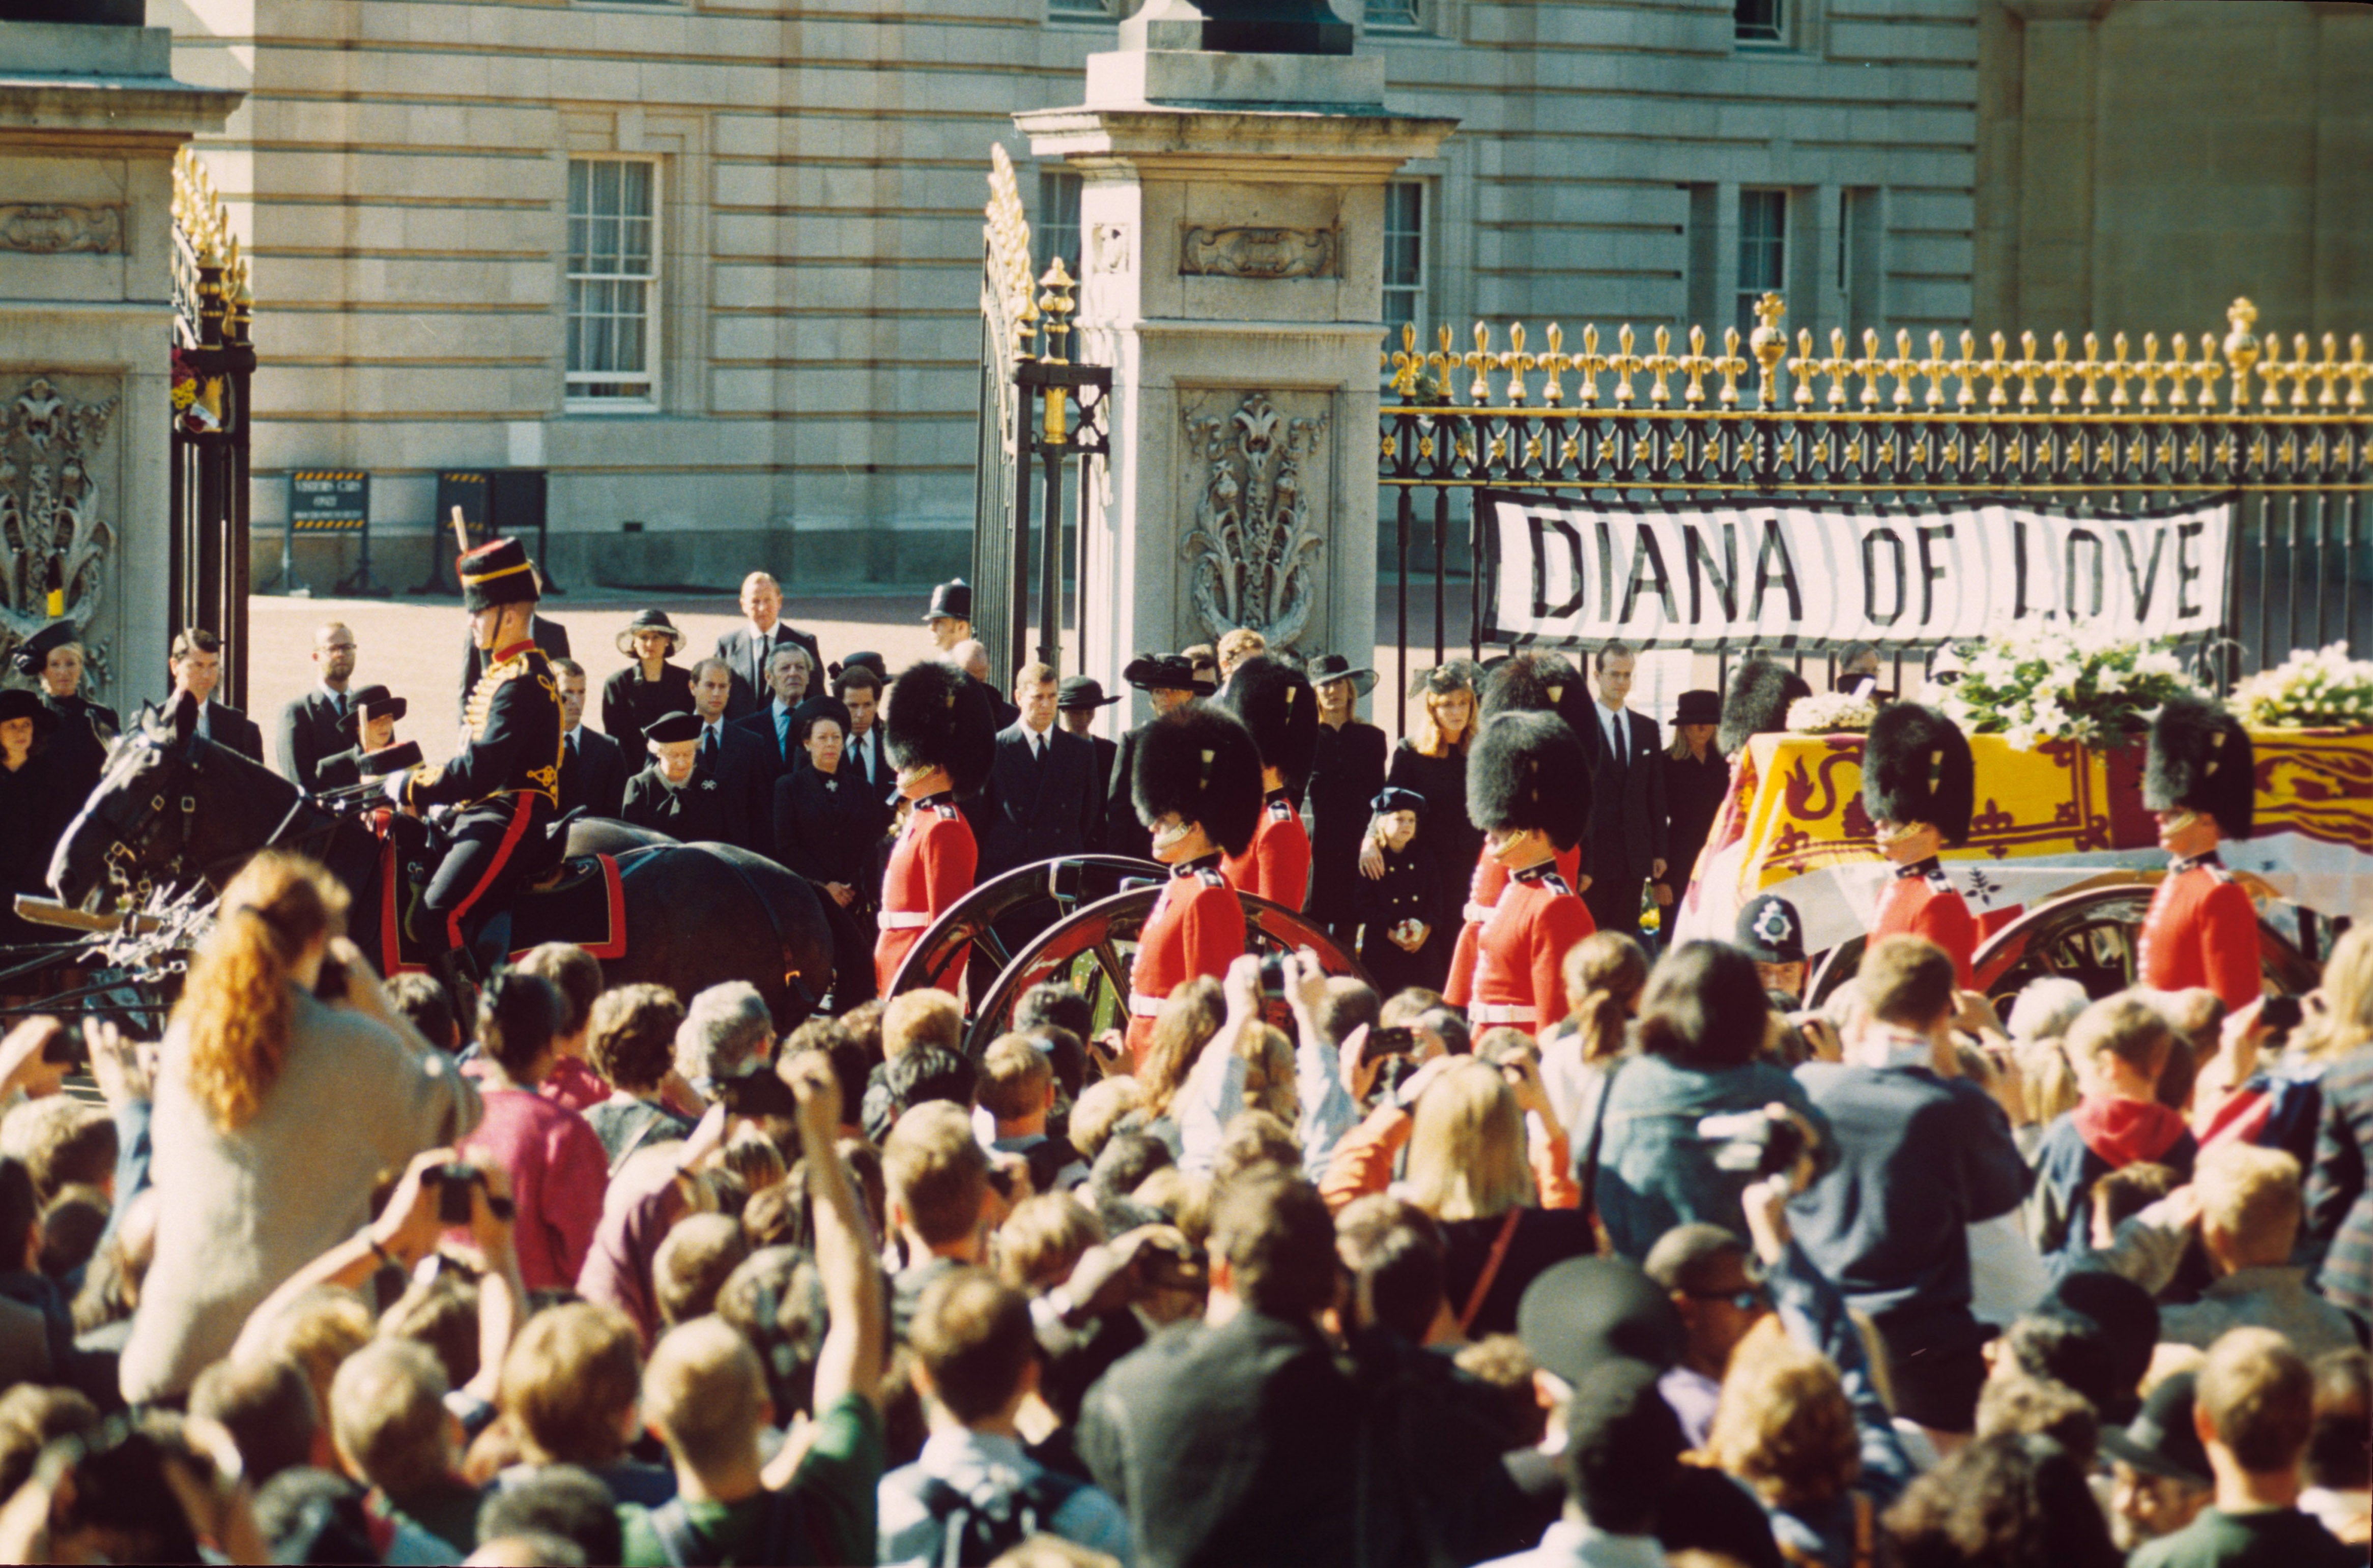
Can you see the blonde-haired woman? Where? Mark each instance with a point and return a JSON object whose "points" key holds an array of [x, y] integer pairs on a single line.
{"points": [[1432, 761], [1605, 973], [275, 1111], [1469, 1166]]}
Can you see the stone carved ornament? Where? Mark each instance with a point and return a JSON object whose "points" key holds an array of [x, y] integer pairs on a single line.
{"points": [[1253, 555], [1261, 253], [51, 535], [50, 228]]}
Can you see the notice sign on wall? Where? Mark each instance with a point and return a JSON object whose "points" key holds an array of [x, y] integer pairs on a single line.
{"points": [[1581, 573], [321, 501]]}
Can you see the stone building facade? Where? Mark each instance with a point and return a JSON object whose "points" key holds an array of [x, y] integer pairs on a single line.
{"points": [[714, 264]]}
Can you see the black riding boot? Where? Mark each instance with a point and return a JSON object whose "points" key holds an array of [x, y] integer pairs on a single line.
{"points": [[458, 972]]}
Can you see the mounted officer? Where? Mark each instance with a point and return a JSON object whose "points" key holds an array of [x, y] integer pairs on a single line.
{"points": [[503, 785]]}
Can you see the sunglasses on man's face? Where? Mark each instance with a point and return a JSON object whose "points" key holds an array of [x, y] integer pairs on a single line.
{"points": [[1754, 1298]]}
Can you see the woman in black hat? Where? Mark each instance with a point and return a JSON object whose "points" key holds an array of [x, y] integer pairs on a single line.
{"points": [[1395, 913], [370, 719], [650, 686], [34, 806], [1696, 774], [1432, 761], [1346, 771]]}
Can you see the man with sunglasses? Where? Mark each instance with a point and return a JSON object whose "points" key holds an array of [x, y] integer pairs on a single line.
{"points": [[1709, 1275]]}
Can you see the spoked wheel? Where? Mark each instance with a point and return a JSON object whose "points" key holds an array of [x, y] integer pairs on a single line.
{"points": [[2095, 939], [1065, 886], [1091, 951]]}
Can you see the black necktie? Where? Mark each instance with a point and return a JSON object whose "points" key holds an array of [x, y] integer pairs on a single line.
{"points": [[709, 748]]}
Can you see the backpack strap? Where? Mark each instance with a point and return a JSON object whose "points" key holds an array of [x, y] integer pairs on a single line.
{"points": [[1491, 1267], [678, 1537]]}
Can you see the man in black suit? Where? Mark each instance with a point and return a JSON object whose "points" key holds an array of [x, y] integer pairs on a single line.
{"points": [[1077, 702], [195, 660], [549, 635], [772, 723], [858, 687], [748, 648], [313, 726], [1044, 796], [1626, 846], [735, 759], [593, 766]]}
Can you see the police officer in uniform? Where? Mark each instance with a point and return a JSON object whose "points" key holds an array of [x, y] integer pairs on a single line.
{"points": [[1770, 932], [2201, 783], [504, 782], [943, 736], [1167, 680], [674, 793], [1919, 788], [1527, 682], [1276, 704], [1527, 788], [1197, 790]]}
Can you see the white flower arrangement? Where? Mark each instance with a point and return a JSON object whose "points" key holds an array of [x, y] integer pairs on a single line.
{"points": [[2325, 689], [1831, 712], [2064, 683]]}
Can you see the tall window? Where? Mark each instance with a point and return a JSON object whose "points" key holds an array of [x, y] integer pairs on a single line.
{"points": [[1058, 221], [1762, 250], [1404, 259], [1757, 22], [1393, 16], [613, 263]]}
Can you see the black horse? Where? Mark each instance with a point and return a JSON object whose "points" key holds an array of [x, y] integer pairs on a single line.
{"points": [[173, 808]]}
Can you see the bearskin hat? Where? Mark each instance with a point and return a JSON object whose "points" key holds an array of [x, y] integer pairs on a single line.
{"points": [[938, 716], [1527, 771], [1756, 702], [1277, 705], [1916, 768], [1198, 760], [2200, 757], [1528, 683]]}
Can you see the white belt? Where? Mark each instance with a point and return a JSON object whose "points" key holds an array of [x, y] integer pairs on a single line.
{"points": [[1479, 914], [1502, 1012], [1140, 1005], [902, 920]]}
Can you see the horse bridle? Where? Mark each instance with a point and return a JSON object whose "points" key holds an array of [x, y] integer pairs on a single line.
{"points": [[133, 846]]}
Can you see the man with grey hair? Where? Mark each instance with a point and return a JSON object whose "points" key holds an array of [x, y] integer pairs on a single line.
{"points": [[971, 656], [788, 677], [726, 1033], [746, 648]]}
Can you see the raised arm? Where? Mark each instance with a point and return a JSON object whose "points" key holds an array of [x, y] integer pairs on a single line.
{"points": [[850, 1359]]}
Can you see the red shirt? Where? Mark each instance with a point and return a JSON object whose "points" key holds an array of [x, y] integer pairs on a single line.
{"points": [[1196, 928], [2202, 929], [931, 866], [558, 1173], [1520, 958], [1482, 893], [1922, 901], [1276, 865], [572, 1086]]}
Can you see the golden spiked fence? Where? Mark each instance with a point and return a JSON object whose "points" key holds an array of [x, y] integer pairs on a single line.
{"points": [[1651, 419], [213, 359]]}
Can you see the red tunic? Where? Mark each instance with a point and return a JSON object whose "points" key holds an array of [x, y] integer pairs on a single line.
{"points": [[2202, 929], [930, 868], [1922, 901], [1276, 865], [1482, 893], [1520, 958], [1196, 928]]}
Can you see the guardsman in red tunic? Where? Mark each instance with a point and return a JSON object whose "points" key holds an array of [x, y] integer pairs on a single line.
{"points": [[942, 735], [1276, 703], [2201, 781], [1528, 789], [1197, 787], [1525, 682], [1920, 787]]}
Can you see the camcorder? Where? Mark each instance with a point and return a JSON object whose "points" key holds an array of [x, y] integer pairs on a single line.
{"points": [[1755, 1142]]}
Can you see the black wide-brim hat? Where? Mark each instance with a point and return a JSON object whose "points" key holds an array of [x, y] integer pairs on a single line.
{"points": [[1329, 667], [1699, 707], [1166, 672], [1756, 701], [938, 716], [805, 716], [31, 655], [497, 573], [2201, 759], [1529, 770], [372, 702], [649, 621], [19, 704], [873, 661], [952, 600], [1082, 691], [1395, 799], [1199, 761], [1277, 705], [1916, 768], [669, 729]]}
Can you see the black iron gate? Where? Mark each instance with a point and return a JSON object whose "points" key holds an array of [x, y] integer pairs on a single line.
{"points": [[1042, 430], [213, 361], [2291, 434]]}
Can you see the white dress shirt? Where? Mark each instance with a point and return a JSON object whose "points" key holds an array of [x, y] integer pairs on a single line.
{"points": [[1617, 733]]}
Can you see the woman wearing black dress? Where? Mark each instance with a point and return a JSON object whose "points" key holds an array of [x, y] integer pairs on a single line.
{"points": [[649, 689], [1696, 777], [34, 804], [827, 825], [1346, 771], [1433, 762], [675, 795]]}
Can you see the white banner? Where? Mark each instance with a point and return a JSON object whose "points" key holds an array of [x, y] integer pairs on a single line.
{"points": [[1579, 573]]}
